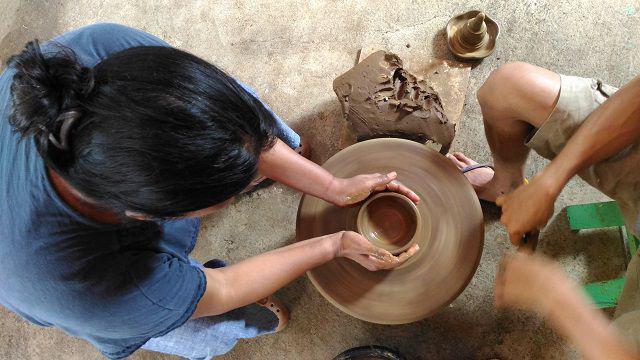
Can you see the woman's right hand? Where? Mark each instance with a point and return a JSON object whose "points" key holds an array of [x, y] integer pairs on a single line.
{"points": [[355, 247]]}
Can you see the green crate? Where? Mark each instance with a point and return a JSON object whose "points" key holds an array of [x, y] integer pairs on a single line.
{"points": [[604, 294], [594, 216]]}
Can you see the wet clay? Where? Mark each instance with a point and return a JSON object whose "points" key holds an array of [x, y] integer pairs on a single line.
{"points": [[381, 99], [450, 237], [389, 221]]}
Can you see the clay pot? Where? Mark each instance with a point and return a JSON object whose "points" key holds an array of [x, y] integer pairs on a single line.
{"points": [[389, 221]]}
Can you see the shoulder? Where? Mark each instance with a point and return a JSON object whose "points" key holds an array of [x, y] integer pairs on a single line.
{"points": [[93, 43]]}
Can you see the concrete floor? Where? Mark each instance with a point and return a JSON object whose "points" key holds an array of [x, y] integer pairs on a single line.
{"points": [[291, 51]]}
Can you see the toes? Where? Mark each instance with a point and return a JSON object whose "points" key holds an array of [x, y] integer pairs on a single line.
{"points": [[455, 160], [464, 159]]}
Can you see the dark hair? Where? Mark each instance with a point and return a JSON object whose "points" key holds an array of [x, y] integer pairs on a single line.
{"points": [[155, 129]]}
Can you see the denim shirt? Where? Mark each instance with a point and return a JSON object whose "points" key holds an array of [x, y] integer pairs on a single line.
{"points": [[115, 286]]}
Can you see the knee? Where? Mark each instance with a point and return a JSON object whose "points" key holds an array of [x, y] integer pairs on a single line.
{"points": [[501, 83]]}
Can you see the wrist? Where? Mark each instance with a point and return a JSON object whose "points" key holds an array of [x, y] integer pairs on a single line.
{"points": [[334, 190], [334, 244], [552, 180], [558, 173]]}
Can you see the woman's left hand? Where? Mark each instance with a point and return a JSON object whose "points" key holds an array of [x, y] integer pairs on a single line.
{"points": [[345, 192]]}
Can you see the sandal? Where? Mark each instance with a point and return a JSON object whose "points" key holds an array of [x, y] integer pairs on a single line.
{"points": [[215, 263], [304, 149], [270, 302], [466, 169], [278, 309]]}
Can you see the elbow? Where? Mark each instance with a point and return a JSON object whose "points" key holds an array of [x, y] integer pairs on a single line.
{"points": [[218, 296]]}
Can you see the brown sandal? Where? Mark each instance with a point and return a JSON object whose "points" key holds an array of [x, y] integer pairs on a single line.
{"points": [[304, 149], [278, 309]]}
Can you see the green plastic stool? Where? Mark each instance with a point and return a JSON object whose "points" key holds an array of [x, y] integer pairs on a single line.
{"points": [[605, 294]]}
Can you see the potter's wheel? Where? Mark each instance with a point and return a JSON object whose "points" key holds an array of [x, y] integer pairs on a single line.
{"points": [[450, 241]]}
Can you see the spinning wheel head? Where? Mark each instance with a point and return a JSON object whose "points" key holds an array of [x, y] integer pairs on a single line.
{"points": [[447, 224]]}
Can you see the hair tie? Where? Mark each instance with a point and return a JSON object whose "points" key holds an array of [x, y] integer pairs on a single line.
{"points": [[68, 119]]}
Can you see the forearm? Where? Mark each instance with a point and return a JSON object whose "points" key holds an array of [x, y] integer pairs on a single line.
{"points": [[571, 314], [284, 165], [608, 130], [257, 277]]}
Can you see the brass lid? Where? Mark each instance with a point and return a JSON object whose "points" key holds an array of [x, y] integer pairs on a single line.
{"points": [[472, 35]]}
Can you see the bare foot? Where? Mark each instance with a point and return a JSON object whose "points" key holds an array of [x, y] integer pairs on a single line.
{"points": [[487, 186]]}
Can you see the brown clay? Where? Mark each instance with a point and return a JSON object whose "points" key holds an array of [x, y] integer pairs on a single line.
{"points": [[472, 35], [389, 221], [381, 99], [450, 237]]}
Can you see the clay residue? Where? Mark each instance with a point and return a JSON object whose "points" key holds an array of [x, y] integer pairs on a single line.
{"points": [[381, 99]]}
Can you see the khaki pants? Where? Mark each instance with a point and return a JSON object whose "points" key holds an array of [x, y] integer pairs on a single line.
{"points": [[617, 176]]}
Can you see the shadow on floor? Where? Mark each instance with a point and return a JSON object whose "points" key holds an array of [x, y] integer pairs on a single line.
{"points": [[602, 250], [327, 120]]}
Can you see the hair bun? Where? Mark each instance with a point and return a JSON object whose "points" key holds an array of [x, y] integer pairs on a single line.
{"points": [[44, 87]]}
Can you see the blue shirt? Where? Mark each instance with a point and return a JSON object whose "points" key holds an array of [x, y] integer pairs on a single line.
{"points": [[115, 286]]}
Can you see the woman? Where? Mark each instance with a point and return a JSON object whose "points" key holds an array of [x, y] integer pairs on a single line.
{"points": [[138, 140]]}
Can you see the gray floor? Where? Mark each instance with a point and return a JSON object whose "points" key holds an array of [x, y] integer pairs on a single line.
{"points": [[291, 51]]}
